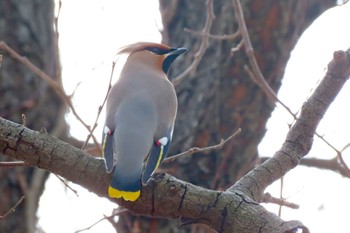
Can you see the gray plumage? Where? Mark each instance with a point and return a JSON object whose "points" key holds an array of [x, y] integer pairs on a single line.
{"points": [[140, 116]]}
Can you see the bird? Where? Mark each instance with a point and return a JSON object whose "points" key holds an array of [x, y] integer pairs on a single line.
{"points": [[141, 109]]}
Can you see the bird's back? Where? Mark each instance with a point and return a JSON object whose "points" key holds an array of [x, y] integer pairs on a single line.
{"points": [[141, 110]]}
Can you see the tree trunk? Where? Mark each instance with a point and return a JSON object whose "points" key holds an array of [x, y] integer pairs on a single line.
{"points": [[27, 27], [220, 96]]}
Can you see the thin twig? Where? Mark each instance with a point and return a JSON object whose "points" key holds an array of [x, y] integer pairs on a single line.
{"points": [[250, 51], [219, 173], [203, 46], [281, 196], [204, 149], [238, 47], [51, 82], [268, 198], [216, 37], [12, 164], [13, 209], [24, 120], [345, 147], [340, 159], [256, 75], [65, 184], [343, 163], [59, 8], [330, 164], [75, 89], [100, 109], [104, 218]]}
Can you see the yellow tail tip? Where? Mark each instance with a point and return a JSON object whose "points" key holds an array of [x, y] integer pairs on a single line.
{"points": [[126, 195]]}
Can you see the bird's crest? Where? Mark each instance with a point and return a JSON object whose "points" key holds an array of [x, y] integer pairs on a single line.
{"points": [[129, 49]]}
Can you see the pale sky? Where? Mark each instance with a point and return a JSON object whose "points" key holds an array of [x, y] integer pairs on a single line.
{"points": [[91, 32]]}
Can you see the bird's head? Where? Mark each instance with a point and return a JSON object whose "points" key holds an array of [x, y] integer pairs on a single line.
{"points": [[156, 56]]}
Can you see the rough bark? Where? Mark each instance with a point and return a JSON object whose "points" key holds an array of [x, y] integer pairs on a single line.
{"points": [[220, 97], [237, 209], [27, 26]]}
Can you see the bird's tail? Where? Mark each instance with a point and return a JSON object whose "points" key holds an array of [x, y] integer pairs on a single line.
{"points": [[126, 195], [125, 186]]}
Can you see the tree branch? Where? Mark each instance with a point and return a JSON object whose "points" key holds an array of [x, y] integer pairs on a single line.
{"points": [[164, 196], [13, 209], [235, 210], [300, 137], [328, 164], [333, 164], [255, 73], [204, 149], [56, 86], [203, 46]]}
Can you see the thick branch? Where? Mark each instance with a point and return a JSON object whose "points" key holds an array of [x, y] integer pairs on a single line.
{"points": [[164, 196], [300, 137]]}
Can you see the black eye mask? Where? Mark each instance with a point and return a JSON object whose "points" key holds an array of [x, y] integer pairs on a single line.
{"points": [[159, 51]]}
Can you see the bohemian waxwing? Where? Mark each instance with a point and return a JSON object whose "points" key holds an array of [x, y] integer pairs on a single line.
{"points": [[140, 115]]}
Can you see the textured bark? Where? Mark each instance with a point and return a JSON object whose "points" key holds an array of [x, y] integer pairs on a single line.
{"points": [[27, 27], [164, 196], [220, 96]]}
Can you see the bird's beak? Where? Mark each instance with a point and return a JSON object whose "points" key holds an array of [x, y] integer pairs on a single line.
{"points": [[171, 56], [177, 51]]}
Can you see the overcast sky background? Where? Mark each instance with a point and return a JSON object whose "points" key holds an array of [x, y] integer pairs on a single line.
{"points": [[91, 32]]}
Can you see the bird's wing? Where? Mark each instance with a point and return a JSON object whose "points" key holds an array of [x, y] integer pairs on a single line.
{"points": [[108, 149], [156, 155]]}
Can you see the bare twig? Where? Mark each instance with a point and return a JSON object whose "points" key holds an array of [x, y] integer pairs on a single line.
{"points": [[250, 51], [59, 8], [219, 173], [255, 74], [204, 149], [281, 196], [51, 82], [104, 218], [12, 164], [258, 78], [300, 137], [268, 198], [341, 160], [65, 184], [237, 47], [339, 153], [32, 192], [13, 209], [203, 46], [216, 37], [329, 164], [75, 89], [345, 147], [24, 120], [100, 109]]}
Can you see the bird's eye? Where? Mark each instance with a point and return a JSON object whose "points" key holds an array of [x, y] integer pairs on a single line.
{"points": [[157, 50]]}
